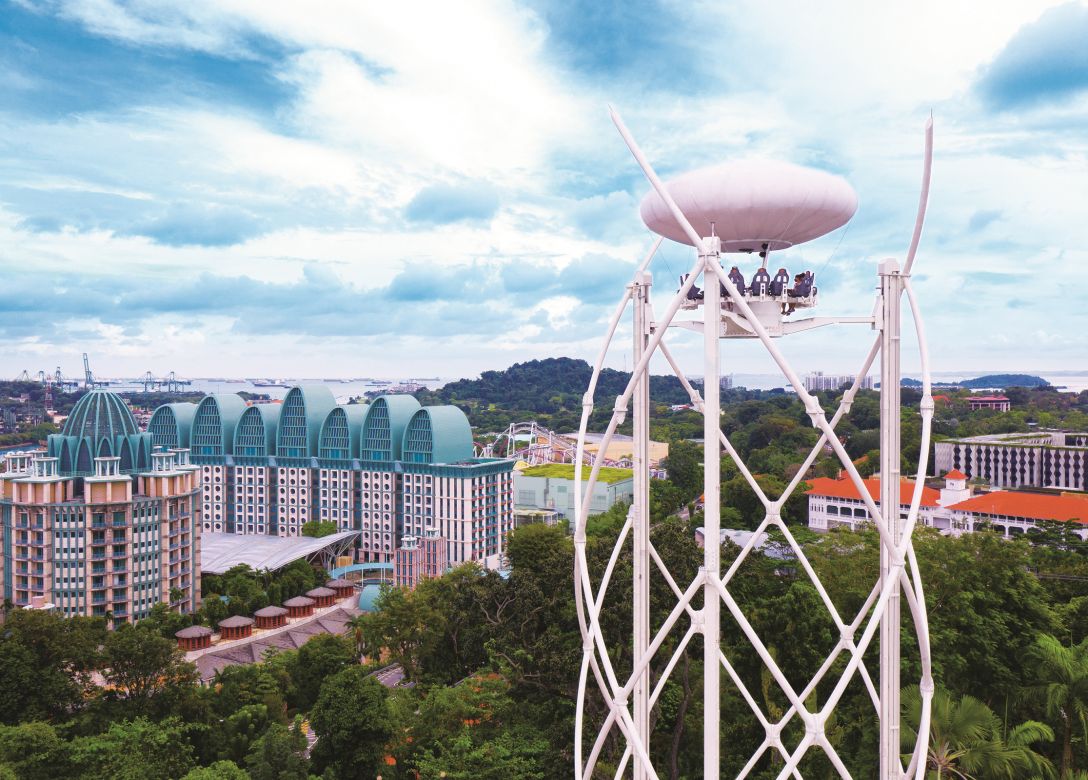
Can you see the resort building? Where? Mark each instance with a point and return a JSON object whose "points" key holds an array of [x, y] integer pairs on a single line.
{"points": [[551, 487], [834, 503], [997, 402], [1041, 459], [381, 471], [102, 523], [955, 509]]}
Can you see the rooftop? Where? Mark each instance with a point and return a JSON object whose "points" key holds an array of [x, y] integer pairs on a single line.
{"points": [[844, 488], [1035, 506], [607, 474]]}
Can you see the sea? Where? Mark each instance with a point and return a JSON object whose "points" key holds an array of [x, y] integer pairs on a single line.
{"points": [[342, 389], [345, 389], [1071, 381]]}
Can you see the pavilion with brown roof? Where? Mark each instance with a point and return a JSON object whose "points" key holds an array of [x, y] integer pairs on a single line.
{"points": [[299, 606], [235, 627], [323, 597], [194, 638], [271, 617]]}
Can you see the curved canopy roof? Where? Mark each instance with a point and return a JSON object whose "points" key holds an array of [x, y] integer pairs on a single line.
{"points": [[219, 552], [100, 414], [437, 434], [383, 429], [752, 203], [305, 408]]}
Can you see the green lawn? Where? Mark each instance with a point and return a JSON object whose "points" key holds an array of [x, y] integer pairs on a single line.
{"points": [[566, 471]]}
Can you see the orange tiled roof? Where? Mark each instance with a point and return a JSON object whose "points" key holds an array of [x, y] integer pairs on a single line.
{"points": [[844, 488], [1034, 506], [955, 474]]}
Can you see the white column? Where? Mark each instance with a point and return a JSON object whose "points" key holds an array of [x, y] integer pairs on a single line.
{"points": [[641, 507], [891, 290], [712, 508]]}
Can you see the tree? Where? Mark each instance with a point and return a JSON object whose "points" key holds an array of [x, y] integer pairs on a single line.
{"points": [[220, 770], [684, 465], [279, 755], [34, 751], [242, 728], [471, 730], [353, 725], [140, 664], [321, 657], [1060, 689], [136, 750], [46, 662], [318, 528], [966, 739]]}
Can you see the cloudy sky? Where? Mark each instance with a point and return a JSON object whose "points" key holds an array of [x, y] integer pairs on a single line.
{"points": [[262, 187]]}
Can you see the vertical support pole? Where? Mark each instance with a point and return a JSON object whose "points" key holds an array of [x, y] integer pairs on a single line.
{"points": [[712, 455], [891, 292], [641, 509]]}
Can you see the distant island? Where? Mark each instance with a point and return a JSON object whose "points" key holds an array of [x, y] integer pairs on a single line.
{"points": [[988, 381]]}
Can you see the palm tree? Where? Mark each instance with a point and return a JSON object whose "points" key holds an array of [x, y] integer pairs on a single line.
{"points": [[965, 740], [1061, 689], [356, 624]]}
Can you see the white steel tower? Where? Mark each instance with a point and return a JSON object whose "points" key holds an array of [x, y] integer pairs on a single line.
{"points": [[751, 206]]}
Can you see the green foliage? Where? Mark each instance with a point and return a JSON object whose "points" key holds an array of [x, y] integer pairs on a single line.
{"points": [[968, 740], [135, 750], [319, 528], [248, 590], [45, 664], [279, 755], [1059, 689], [140, 664], [684, 466], [220, 770], [33, 751], [353, 724], [321, 657]]}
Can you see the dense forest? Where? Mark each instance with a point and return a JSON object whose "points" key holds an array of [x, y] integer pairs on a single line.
{"points": [[493, 662]]}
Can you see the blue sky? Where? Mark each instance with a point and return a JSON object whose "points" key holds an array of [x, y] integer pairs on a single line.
{"points": [[248, 187]]}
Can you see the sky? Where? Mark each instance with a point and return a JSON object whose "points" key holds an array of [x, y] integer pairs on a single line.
{"points": [[259, 188]]}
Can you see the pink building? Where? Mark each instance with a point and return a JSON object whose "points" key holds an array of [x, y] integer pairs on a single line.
{"points": [[419, 557], [998, 402]]}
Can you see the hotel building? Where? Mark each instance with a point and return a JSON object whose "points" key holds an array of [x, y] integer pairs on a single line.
{"points": [[955, 509], [100, 524], [1042, 459], [386, 470]]}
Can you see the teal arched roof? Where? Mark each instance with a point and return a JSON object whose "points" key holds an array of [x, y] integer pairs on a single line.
{"points": [[305, 408], [100, 425], [383, 429], [214, 422], [437, 434], [100, 414], [172, 425], [255, 435], [341, 431]]}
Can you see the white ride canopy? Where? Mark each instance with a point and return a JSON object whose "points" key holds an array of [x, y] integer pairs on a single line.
{"points": [[753, 205]]}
